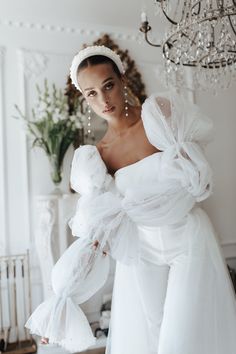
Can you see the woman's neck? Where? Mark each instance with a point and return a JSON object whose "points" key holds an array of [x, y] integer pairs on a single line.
{"points": [[119, 125]]}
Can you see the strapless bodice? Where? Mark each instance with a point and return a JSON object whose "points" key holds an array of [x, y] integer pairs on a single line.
{"points": [[138, 174]]}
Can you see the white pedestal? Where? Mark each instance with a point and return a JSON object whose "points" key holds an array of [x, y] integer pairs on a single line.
{"points": [[53, 235]]}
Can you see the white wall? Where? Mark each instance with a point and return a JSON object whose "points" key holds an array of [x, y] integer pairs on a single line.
{"points": [[38, 39], [221, 207]]}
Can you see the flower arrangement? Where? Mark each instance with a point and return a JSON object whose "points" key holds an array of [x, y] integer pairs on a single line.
{"points": [[52, 127]]}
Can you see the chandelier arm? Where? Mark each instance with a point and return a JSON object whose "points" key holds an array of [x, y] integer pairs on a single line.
{"points": [[176, 23], [231, 25], [168, 18], [164, 51], [199, 7], [145, 28], [149, 42]]}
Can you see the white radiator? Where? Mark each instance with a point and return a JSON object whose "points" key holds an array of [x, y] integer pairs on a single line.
{"points": [[15, 298]]}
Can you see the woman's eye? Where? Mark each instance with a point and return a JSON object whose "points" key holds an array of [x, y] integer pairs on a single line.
{"points": [[91, 93], [109, 86]]}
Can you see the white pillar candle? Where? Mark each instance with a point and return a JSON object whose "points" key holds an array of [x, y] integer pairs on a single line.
{"points": [[143, 16]]}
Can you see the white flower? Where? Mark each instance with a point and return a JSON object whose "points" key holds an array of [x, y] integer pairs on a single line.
{"points": [[56, 111], [78, 124], [42, 107], [64, 115], [56, 118], [73, 118], [83, 119]]}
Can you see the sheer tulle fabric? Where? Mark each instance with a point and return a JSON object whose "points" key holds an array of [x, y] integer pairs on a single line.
{"points": [[197, 311], [113, 216], [74, 280]]}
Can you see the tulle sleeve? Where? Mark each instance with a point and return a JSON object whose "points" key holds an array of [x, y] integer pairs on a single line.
{"points": [[88, 171], [78, 274], [186, 122], [82, 271], [99, 213], [182, 136]]}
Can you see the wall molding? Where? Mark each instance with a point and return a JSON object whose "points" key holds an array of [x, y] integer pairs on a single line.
{"points": [[25, 152], [2, 53], [31, 64], [229, 248], [116, 32], [3, 160]]}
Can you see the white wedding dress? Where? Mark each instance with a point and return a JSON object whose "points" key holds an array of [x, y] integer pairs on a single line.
{"points": [[172, 292]]}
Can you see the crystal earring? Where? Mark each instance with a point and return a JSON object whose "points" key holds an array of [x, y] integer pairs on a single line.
{"points": [[89, 120], [126, 101], [90, 136]]}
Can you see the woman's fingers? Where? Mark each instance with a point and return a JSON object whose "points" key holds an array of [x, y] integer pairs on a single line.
{"points": [[44, 340], [96, 244]]}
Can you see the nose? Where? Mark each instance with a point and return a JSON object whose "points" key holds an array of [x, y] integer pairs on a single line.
{"points": [[104, 99]]}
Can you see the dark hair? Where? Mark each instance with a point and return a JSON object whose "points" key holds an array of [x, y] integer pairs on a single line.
{"points": [[98, 59]]}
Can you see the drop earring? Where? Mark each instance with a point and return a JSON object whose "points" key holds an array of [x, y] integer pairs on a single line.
{"points": [[126, 101], [89, 135], [89, 121]]}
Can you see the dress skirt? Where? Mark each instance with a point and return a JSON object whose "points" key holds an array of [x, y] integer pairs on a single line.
{"points": [[179, 299]]}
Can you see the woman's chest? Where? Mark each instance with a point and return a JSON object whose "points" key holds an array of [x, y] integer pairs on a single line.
{"points": [[125, 151]]}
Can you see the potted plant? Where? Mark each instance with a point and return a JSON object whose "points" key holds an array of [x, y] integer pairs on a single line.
{"points": [[52, 127]]}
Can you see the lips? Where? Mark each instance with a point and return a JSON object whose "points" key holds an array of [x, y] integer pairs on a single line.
{"points": [[109, 109]]}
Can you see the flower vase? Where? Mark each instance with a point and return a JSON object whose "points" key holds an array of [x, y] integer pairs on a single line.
{"points": [[55, 173]]}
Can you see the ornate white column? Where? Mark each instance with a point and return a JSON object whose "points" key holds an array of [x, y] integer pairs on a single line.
{"points": [[52, 235], [31, 65]]}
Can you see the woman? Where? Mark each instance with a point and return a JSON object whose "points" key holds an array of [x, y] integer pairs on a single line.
{"points": [[140, 187]]}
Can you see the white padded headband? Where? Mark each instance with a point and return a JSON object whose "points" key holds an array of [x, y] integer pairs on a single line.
{"points": [[88, 52]]}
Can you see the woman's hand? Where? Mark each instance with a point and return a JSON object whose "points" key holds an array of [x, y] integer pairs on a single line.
{"points": [[96, 244], [44, 340]]}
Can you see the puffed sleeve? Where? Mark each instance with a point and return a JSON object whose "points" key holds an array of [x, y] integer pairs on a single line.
{"points": [[182, 136], [82, 270], [186, 121], [88, 171], [99, 213]]}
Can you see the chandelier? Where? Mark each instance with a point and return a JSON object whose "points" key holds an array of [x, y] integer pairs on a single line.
{"points": [[202, 37]]}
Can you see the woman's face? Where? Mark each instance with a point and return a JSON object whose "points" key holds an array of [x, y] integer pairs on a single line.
{"points": [[103, 90]]}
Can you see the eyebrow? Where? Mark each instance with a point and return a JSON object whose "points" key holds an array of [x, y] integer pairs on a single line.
{"points": [[109, 78]]}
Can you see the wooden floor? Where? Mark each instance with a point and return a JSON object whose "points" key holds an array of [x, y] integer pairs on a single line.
{"points": [[94, 351], [25, 347]]}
